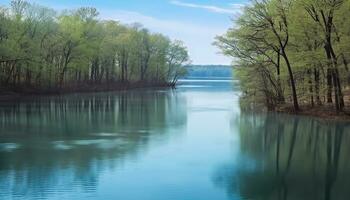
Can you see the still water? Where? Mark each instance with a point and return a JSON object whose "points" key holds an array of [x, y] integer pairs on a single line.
{"points": [[192, 143]]}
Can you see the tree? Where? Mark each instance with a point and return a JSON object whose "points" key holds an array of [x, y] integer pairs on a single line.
{"points": [[177, 56], [295, 44], [43, 49]]}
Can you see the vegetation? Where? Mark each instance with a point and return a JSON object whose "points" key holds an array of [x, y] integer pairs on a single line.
{"points": [[41, 48], [209, 71], [292, 52]]}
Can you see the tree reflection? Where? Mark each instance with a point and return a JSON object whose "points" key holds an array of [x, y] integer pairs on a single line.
{"points": [[289, 157], [66, 142]]}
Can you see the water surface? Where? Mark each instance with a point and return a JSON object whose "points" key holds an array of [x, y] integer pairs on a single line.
{"points": [[192, 143]]}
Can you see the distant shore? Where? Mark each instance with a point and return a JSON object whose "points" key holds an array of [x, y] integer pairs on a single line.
{"points": [[7, 94]]}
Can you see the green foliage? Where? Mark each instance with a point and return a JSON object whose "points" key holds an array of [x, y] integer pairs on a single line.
{"points": [[42, 48], [278, 45]]}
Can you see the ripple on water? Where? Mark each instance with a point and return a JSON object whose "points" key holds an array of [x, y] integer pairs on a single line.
{"points": [[61, 145], [101, 143], [98, 143], [8, 147], [105, 134]]}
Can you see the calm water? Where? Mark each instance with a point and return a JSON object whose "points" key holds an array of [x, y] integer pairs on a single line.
{"points": [[192, 143]]}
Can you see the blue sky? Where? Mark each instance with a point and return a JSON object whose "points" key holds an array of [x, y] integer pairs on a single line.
{"points": [[196, 22]]}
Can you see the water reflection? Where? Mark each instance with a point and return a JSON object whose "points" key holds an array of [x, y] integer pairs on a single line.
{"points": [[65, 143], [289, 157], [167, 145]]}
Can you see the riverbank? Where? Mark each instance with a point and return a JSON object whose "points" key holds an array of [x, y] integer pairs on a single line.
{"points": [[325, 112], [7, 94]]}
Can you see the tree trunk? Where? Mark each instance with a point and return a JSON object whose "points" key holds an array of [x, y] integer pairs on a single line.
{"points": [[292, 82], [317, 86], [329, 86], [311, 88], [280, 96]]}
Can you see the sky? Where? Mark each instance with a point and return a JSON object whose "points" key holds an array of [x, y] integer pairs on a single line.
{"points": [[195, 22]]}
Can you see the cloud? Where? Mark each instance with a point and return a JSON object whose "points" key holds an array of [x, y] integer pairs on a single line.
{"points": [[235, 8], [156, 24], [198, 38], [238, 6]]}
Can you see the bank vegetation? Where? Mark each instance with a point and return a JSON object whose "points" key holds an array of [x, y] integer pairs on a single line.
{"points": [[292, 53], [44, 50]]}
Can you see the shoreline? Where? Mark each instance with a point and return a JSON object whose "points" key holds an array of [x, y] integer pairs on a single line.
{"points": [[323, 112], [8, 94]]}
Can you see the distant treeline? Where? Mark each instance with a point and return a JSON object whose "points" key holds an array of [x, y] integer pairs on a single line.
{"points": [[293, 51], [209, 71], [42, 48]]}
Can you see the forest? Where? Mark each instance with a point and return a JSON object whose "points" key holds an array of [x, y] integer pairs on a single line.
{"points": [[208, 72], [292, 53], [42, 49]]}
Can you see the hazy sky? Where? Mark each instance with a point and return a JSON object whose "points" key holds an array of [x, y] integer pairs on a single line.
{"points": [[196, 22]]}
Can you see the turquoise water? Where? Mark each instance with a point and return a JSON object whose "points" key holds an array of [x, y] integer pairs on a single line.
{"points": [[192, 143]]}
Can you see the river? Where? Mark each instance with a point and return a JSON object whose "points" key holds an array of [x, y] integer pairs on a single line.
{"points": [[191, 143]]}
